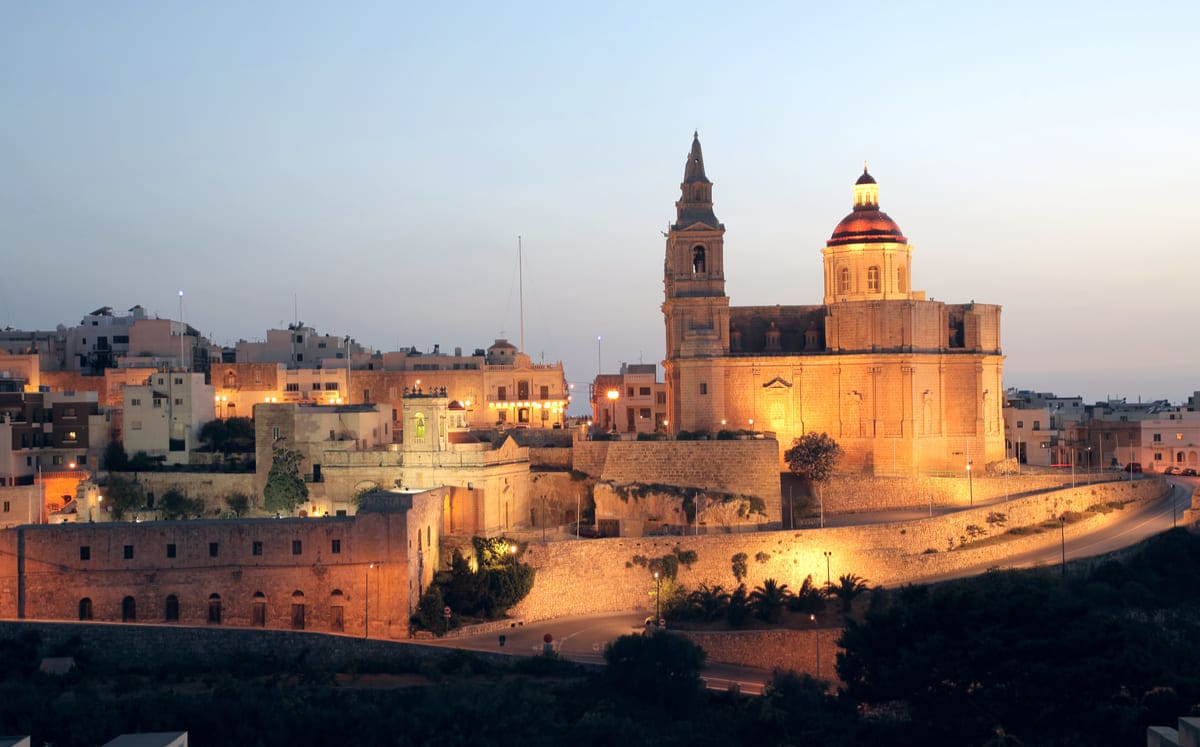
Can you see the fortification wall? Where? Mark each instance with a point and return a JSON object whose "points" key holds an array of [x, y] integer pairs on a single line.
{"points": [[559, 458], [857, 493], [772, 649], [558, 496], [600, 575], [210, 487]]}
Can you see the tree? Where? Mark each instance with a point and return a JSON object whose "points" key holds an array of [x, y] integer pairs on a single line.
{"points": [[285, 489], [662, 669], [123, 496], [175, 505], [708, 602], [115, 459], [769, 599], [229, 435], [848, 587], [238, 504], [808, 598], [813, 457]]}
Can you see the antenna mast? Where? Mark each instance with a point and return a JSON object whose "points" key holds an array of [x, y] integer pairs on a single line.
{"points": [[521, 281]]}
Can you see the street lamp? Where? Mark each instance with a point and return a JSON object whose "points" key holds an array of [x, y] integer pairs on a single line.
{"points": [[828, 554], [613, 395], [816, 643], [367, 600], [970, 484], [1062, 521], [657, 597]]}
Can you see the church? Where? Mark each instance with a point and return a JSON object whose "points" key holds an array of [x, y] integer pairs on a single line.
{"points": [[904, 384]]}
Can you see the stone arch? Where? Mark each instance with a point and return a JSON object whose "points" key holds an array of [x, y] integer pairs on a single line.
{"points": [[214, 609], [337, 610], [128, 609], [699, 260], [85, 608], [171, 608]]}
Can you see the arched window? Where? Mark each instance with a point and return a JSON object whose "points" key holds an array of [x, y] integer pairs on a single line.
{"points": [[85, 608], [128, 610], [419, 422], [901, 286], [844, 280], [258, 610], [230, 379], [172, 609], [873, 279], [298, 610], [698, 260], [337, 609], [214, 609]]}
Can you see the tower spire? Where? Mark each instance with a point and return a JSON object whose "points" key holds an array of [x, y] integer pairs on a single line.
{"points": [[695, 200]]}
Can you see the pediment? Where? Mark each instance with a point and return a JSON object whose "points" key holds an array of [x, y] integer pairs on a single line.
{"points": [[777, 383]]}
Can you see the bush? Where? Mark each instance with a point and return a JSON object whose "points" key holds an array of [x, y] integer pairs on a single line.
{"points": [[662, 669]]}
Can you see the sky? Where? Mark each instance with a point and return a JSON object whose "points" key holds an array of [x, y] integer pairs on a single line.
{"points": [[367, 168]]}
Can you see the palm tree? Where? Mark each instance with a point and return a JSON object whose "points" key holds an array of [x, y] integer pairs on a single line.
{"points": [[809, 598], [769, 599], [708, 603], [848, 587], [738, 607]]}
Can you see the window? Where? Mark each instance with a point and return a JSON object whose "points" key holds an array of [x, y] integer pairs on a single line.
{"points": [[128, 552], [157, 402], [172, 609], [292, 387], [300, 339], [704, 389], [1158, 456], [85, 552], [71, 436], [873, 279], [522, 390], [544, 392], [299, 356], [900, 281], [1037, 425], [1179, 457], [502, 393], [171, 550], [275, 433], [644, 412], [844, 280], [7, 506], [214, 549], [136, 425], [85, 609], [69, 412], [698, 262], [644, 391], [335, 547], [178, 380], [331, 386], [316, 385], [297, 547], [58, 460], [178, 400], [1157, 438], [256, 548], [523, 415]]}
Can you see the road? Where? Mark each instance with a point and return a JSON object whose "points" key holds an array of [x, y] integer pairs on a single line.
{"points": [[582, 638]]}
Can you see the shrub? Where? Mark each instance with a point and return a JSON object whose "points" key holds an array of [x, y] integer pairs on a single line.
{"points": [[738, 563]]}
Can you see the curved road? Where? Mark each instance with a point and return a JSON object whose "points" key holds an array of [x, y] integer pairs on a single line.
{"points": [[582, 638]]}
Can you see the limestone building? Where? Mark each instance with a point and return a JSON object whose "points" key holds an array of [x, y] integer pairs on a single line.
{"points": [[904, 384]]}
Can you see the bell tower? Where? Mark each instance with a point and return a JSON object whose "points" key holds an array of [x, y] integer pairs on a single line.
{"points": [[695, 305]]}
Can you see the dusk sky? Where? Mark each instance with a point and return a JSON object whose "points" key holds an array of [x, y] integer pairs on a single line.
{"points": [[373, 165]]}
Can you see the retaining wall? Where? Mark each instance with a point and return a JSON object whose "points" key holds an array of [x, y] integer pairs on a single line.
{"points": [[599, 575]]}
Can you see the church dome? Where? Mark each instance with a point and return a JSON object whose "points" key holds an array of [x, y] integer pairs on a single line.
{"points": [[866, 224]]}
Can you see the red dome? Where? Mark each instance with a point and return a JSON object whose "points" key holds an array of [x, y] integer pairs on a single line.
{"points": [[866, 226]]}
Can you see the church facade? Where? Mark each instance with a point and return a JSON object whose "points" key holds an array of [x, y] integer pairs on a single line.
{"points": [[904, 384]]}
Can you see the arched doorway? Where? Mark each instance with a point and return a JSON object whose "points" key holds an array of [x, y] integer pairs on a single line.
{"points": [[172, 609], [85, 608], [258, 610], [297, 610], [128, 610], [214, 609], [337, 611]]}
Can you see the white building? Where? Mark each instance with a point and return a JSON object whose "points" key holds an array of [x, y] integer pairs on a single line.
{"points": [[163, 417]]}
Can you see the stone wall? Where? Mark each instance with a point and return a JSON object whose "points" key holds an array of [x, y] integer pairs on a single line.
{"points": [[856, 493], [210, 487], [550, 457], [20, 504], [600, 575], [772, 649], [739, 467], [559, 495]]}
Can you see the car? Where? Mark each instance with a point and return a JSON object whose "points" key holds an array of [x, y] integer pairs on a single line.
{"points": [[1133, 467], [1190, 472], [1172, 471], [588, 532]]}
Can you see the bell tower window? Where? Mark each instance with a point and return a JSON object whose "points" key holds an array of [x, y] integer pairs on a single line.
{"points": [[698, 260], [844, 280], [873, 279]]}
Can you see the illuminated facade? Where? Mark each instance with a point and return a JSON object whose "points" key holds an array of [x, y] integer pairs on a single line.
{"points": [[903, 383]]}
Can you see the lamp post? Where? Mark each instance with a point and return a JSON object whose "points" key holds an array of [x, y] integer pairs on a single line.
{"points": [[970, 485], [816, 643], [657, 597], [1062, 521], [367, 601], [613, 395], [828, 554], [349, 390]]}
